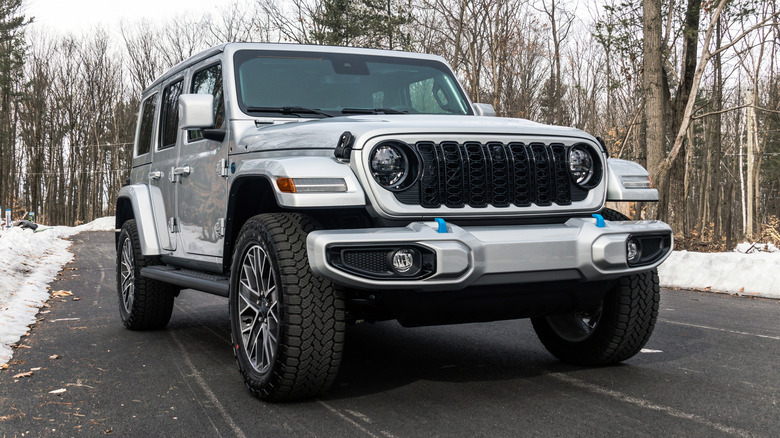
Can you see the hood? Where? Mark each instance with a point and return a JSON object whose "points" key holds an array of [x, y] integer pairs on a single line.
{"points": [[324, 133]]}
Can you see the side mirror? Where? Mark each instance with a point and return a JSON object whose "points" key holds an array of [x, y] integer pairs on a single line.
{"points": [[484, 109], [196, 111]]}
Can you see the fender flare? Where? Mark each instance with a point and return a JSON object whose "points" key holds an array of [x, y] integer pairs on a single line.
{"points": [[629, 181], [141, 201], [314, 167]]}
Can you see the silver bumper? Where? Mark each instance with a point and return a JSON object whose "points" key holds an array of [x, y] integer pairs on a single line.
{"points": [[469, 256]]}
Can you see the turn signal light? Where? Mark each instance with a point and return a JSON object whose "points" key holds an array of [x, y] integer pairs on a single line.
{"points": [[285, 185]]}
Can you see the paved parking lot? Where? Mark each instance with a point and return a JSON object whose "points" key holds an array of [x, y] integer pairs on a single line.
{"points": [[710, 369]]}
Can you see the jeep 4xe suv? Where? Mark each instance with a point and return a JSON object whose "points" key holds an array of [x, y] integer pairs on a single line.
{"points": [[320, 186]]}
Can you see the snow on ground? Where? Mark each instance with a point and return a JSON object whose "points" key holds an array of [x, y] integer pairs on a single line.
{"points": [[29, 261], [751, 269]]}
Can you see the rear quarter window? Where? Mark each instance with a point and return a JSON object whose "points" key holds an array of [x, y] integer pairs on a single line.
{"points": [[147, 123]]}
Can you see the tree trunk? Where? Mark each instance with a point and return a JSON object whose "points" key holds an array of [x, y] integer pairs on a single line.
{"points": [[654, 104], [715, 178], [749, 187]]}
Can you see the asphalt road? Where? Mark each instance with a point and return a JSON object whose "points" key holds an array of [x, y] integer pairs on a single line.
{"points": [[710, 369]]}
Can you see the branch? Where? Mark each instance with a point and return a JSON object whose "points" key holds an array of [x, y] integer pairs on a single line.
{"points": [[756, 107], [743, 35]]}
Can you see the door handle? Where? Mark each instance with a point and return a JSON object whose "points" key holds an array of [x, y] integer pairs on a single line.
{"points": [[183, 171], [156, 175]]}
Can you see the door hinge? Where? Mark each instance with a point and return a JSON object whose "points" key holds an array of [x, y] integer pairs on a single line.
{"points": [[219, 227], [222, 168], [173, 225]]}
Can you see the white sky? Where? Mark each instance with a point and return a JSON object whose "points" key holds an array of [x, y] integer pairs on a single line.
{"points": [[80, 16]]}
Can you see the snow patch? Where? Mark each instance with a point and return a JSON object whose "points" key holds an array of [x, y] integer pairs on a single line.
{"points": [[29, 261], [751, 269]]}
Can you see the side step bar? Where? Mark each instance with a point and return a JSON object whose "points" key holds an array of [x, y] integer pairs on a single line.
{"points": [[188, 279]]}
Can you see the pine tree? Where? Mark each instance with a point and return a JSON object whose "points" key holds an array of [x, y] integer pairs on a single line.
{"points": [[12, 52]]}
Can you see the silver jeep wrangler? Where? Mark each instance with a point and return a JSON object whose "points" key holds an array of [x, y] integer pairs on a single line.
{"points": [[316, 187]]}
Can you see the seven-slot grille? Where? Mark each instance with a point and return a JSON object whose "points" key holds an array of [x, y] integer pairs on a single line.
{"points": [[493, 173]]}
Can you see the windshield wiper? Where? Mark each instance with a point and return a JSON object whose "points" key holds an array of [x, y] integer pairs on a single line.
{"points": [[372, 111], [287, 110]]}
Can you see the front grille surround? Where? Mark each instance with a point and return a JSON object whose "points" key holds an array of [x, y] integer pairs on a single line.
{"points": [[475, 176]]}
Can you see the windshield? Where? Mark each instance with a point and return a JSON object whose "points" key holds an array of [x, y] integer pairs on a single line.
{"points": [[336, 83]]}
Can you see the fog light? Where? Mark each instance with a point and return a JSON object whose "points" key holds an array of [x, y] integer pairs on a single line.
{"points": [[633, 251], [406, 261]]}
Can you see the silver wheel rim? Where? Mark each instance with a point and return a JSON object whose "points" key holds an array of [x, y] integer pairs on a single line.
{"points": [[577, 326], [258, 309], [127, 273]]}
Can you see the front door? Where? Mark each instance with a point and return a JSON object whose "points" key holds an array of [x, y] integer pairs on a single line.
{"points": [[202, 191]]}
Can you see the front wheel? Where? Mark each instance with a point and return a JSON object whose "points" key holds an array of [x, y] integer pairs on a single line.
{"points": [[611, 332], [287, 324]]}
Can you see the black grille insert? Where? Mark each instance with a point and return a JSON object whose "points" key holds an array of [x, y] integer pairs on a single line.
{"points": [[493, 173]]}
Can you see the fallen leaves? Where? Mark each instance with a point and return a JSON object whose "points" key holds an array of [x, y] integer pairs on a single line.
{"points": [[54, 356], [61, 293], [58, 391], [25, 374]]}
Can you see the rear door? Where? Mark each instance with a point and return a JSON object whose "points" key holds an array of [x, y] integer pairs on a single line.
{"points": [[162, 181], [202, 191]]}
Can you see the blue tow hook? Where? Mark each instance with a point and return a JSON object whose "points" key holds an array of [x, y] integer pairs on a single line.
{"points": [[599, 220], [443, 225]]}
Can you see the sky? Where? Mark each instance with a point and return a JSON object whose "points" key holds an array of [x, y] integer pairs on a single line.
{"points": [[79, 16]]}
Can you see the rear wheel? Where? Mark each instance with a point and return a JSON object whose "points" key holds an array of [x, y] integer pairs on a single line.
{"points": [[143, 303], [611, 332], [287, 325]]}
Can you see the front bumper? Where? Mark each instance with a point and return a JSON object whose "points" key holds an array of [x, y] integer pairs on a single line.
{"points": [[486, 255]]}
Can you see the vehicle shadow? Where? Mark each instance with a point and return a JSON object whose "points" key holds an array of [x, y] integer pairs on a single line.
{"points": [[385, 356]]}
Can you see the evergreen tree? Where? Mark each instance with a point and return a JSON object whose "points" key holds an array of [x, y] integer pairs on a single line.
{"points": [[365, 23], [12, 52]]}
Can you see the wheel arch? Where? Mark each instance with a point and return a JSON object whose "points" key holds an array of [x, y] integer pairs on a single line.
{"points": [[249, 195], [124, 212]]}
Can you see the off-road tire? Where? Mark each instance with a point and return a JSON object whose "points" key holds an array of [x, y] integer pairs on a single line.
{"points": [[311, 315], [624, 323], [151, 303]]}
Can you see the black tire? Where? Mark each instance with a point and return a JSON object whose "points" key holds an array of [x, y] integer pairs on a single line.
{"points": [[299, 315], [144, 304], [614, 331]]}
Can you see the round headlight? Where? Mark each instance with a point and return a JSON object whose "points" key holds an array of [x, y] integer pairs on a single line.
{"points": [[389, 165], [581, 165]]}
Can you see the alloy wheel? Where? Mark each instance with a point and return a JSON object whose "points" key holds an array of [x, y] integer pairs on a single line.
{"points": [[258, 309]]}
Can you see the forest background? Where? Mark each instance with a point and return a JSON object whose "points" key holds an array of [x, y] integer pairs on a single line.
{"points": [[688, 88]]}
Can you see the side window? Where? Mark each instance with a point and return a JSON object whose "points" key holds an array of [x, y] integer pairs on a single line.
{"points": [[169, 119], [146, 122], [209, 81]]}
